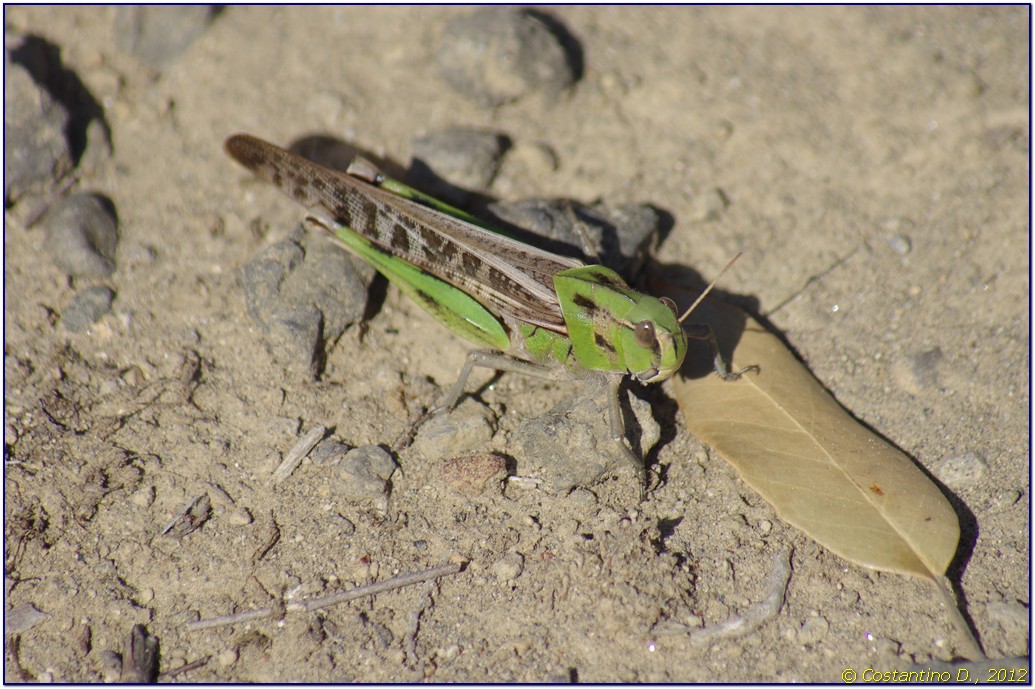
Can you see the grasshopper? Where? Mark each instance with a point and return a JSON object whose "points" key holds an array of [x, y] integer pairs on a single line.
{"points": [[531, 311]]}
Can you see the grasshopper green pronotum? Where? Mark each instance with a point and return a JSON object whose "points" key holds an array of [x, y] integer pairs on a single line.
{"points": [[534, 312]]}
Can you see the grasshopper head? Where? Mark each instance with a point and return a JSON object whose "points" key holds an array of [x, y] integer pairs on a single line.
{"points": [[653, 342]]}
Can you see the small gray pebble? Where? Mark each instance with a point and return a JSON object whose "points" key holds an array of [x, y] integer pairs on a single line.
{"points": [[10, 433], [496, 55], [620, 236], [375, 459], [82, 235], [900, 244], [364, 474], [157, 35], [227, 657], [448, 163], [240, 517], [22, 618], [1009, 615], [1003, 498], [509, 567], [86, 308], [631, 231], [551, 221], [467, 427], [188, 616], [566, 529], [36, 150], [918, 373], [302, 292], [109, 665], [582, 498], [143, 497], [960, 471], [897, 225], [328, 453]]}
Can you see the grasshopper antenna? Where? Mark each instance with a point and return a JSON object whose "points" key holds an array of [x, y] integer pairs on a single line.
{"points": [[709, 287]]}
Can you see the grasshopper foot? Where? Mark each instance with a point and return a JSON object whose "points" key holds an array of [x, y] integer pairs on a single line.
{"points": [[723, 371]]}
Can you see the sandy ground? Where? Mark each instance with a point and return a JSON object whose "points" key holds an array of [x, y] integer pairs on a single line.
{"points": [[883, 150]]}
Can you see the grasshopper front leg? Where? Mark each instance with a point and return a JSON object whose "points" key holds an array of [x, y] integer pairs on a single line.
{"points": [[614, 412], [703, 331]]}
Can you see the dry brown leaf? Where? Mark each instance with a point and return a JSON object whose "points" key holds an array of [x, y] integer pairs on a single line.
{"points": [[822, 470]]}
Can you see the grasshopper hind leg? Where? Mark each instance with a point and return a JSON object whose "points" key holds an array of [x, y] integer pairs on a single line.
{"points": [[479, 358]]}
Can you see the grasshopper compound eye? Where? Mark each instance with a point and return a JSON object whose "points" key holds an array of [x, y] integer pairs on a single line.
{"points": [[644, 334]]}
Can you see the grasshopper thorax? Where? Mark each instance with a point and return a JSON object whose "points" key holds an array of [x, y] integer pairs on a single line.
{"points": [[615, 328]]}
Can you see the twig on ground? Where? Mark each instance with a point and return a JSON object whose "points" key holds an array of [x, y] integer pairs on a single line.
{"points": [[739, 625], [186, 667], [272, 537], [192, 516], [236, 618], [333, 599], [380, 587], [297, 453]]}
